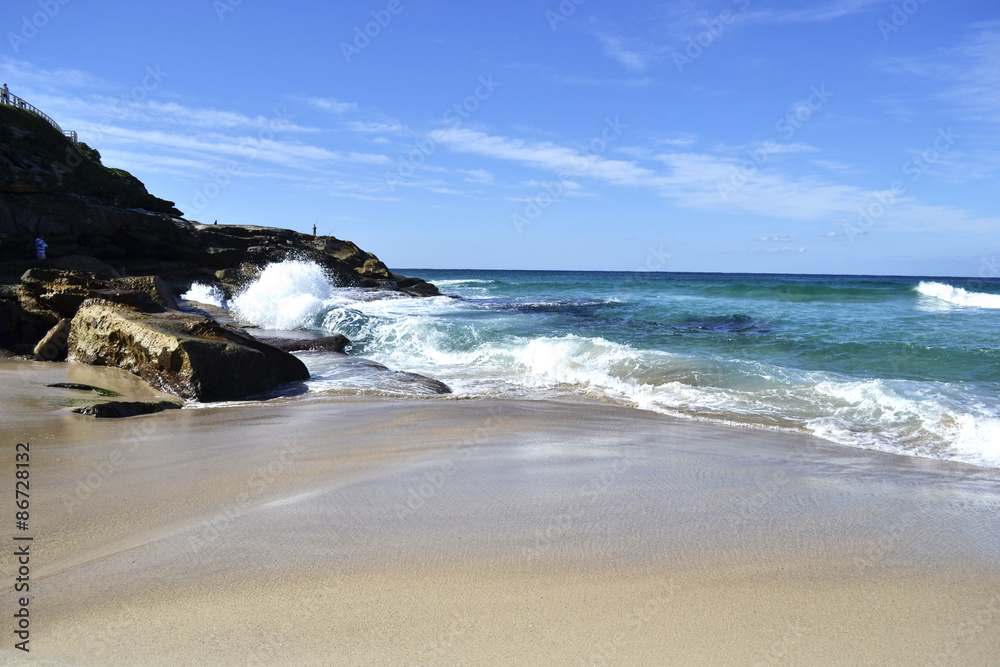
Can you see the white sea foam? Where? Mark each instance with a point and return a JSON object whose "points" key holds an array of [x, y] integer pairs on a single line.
{"points": [[481, 351], [464, 281], [203, 293], [286, 295], [958, 295]]}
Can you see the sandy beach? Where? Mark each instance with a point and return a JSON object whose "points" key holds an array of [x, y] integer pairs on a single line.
{"points": [[319, 530]]}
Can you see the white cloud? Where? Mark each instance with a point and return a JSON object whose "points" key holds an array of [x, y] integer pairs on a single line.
{"points": [[477, 175], [544, 155], [776, 251], [694, 180], [815, 14], [616, 49], [376, 127], [330, 105]]}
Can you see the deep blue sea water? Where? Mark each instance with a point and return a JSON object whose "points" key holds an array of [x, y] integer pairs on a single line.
{"points": [[899, 364]]}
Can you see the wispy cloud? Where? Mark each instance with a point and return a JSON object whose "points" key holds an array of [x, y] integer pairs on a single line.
{"points": [[776, 251], [544, 155], [968, 80], [627, 56], [476, 175], [830, 11], [330, 105], [692, 180], [376, 127]]}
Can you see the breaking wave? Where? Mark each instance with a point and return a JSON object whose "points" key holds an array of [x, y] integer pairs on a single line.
{"points": [[494, 345], [958, 295]]}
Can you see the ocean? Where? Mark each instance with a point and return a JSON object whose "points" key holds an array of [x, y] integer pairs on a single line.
{"points": [[906, 365]]}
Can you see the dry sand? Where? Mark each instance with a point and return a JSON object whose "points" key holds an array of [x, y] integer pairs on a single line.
{"points": [[373, 531]]}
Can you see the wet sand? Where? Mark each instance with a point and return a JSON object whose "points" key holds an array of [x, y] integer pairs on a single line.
{"points": [[440, 531]]}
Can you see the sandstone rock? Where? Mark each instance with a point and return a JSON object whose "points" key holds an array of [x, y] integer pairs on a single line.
{"points": [[54, 344], [374, 268], [58, 293], [180, 353], [153, 286]]}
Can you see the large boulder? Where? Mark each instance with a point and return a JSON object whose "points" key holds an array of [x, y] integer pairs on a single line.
{"points": [[334, 343], [180, 353], [57, 293]]}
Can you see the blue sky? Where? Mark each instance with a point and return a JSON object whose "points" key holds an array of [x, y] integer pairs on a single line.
{"points": [[835, 136]]}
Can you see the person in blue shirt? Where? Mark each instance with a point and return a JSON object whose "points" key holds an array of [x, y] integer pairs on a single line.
{"points": [[40, 247]]}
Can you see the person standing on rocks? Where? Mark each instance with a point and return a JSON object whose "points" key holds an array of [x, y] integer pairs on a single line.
{"points": [[4, 94], [40, 247], [314, 230]]}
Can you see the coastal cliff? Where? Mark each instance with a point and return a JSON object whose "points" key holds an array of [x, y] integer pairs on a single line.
{"points": [[115, 252], [59, 190]]}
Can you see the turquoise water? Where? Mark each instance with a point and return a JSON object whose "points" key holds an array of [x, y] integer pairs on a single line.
{"points": [[905, 365]]}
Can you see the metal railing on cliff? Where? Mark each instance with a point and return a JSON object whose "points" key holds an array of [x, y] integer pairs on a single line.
{"points": [[7, 97]]}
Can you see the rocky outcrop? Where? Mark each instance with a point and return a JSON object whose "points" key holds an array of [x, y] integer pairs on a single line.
{"points": [[55, 294], [182, 354], [103, 229], [61, 191], [35, 158]]}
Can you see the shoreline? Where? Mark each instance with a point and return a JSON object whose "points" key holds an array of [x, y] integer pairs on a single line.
{"points": [[393, 530]]}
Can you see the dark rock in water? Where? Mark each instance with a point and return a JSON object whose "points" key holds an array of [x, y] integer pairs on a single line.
{"points": [[180, 353], [84, 387], [430, 385], [120, 409], [335, 343], [53, 345]]}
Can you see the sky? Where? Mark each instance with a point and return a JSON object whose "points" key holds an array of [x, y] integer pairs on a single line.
{"points": [[831, 136]]}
